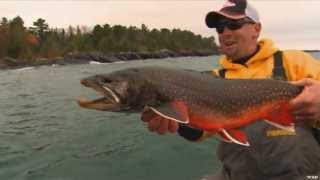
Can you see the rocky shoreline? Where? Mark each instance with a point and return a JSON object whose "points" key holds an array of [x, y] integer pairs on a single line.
{"points": [[85, 58]]}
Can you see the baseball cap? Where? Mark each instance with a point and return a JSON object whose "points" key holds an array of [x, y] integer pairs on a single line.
{"points": [[232, 9]]}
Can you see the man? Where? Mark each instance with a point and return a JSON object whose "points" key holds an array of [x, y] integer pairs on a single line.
{"points": [[274, 154]]}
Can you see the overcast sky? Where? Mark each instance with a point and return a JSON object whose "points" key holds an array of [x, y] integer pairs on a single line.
{"points": [[290, 23]]}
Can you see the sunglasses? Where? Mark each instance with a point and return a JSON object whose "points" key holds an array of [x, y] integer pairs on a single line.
{"points": [[232, 24]]}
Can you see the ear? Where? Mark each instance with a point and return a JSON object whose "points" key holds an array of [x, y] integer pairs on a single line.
{"points": [[257, 29]]}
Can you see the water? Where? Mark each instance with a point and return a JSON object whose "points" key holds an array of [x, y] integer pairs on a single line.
{"points": [[316, 55], [44, 135]]}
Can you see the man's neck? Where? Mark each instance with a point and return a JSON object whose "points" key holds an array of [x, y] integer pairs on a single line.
{"points": [[245, 59]]}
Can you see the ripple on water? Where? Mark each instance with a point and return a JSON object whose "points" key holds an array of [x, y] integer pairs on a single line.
{"points": [[24, 95], [13, 132], [10, 151]]}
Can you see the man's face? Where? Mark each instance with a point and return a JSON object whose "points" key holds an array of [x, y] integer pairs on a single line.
{"points": [[238, 38]]}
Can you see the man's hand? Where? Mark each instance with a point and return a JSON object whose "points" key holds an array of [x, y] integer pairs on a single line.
{"points": [[306, 106], [157, 123]]}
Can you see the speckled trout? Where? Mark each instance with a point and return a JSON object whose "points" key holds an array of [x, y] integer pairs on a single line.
{"points": [[197, 99]]}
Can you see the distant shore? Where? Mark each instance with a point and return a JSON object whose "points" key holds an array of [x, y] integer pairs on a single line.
{"points": [[311, 51], [87, 57]]}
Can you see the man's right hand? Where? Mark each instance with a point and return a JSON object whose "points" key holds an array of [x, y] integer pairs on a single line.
{"points": [[157, 123]]}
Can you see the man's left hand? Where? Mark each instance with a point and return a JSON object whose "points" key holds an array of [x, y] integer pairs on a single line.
{"points": [[306, 106]]}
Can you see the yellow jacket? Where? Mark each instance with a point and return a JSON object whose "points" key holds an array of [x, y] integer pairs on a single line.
{"points": [[297, 64]]}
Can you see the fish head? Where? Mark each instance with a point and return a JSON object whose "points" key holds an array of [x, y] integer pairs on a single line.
{"points": [[120, 90]]}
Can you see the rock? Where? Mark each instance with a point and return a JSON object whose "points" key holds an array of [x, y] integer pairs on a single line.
{"points": [[9, 63]]}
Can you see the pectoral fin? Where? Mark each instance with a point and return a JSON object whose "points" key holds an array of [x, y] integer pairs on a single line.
{"points": [[175, 110]]}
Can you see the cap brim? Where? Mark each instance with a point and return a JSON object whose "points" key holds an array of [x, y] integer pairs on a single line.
{"points": [[213, 17]]}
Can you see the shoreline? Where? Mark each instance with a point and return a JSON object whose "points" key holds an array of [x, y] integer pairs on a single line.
{"points": [[8, 63], [99, 57]]}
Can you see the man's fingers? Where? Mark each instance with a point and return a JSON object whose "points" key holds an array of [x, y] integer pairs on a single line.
{"points": [[157, 123], [298, 102], [147, 115], [173, 126], [305, 107], [303, 82], [299, 107], [302, 100], [303, 119], [303, 114], [154, 124], [163, 126]]}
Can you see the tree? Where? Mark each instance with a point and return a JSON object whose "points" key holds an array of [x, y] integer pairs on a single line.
{"points": [[4, 40], [17, 36], [40, 28], [17, 23], [144, 28], [78, 31], [41, 41], [70, 32], [119, 32], [50, 47], [4, 21]]}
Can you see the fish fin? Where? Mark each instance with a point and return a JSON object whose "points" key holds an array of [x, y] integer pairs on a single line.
{"points": [[287, 128], [235, 136], [174, 110], [281, 118], [221, 136]]}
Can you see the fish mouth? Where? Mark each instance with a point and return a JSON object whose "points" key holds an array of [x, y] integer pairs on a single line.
{"points": [[109, 101]]}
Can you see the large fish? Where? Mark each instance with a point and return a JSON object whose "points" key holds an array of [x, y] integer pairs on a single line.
{"points": [[197, 99]]}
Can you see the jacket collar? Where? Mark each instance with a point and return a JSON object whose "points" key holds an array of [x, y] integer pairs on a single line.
{"points": [[266, 50]]}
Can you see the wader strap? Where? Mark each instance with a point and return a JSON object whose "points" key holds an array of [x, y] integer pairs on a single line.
{"points": [[278, 71], [222, 73]]}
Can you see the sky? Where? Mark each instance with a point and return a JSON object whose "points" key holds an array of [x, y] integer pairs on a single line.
{"points": [[291, 24]]}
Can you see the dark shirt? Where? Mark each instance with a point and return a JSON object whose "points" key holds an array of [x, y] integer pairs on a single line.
{"points": [[243, 60]]}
